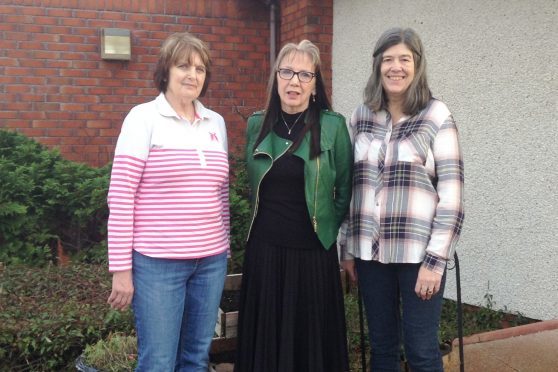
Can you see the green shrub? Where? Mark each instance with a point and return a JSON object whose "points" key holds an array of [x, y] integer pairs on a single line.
{"points": [[43, 198], [48, 314], [240, 213]]}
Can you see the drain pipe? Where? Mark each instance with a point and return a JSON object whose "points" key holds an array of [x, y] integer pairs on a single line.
{"points": [[272, 32]]}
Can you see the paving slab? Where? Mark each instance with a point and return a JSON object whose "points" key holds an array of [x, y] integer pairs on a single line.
{"points": [[528, 348]]}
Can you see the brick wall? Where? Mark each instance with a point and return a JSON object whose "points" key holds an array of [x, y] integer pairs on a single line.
{"points": [[55, 87], [312, 20]]}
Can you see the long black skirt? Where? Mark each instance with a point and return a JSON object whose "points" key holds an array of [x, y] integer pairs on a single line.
{"points": [[291, 312]]}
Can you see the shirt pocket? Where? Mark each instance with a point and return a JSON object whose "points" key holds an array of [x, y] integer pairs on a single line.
{"points": [[367, 148], [413, 149]]}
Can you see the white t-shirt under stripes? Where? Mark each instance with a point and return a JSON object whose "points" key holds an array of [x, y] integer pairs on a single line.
{"points": [[169, 187]]}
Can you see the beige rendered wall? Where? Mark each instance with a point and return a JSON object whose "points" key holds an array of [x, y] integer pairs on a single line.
{"points": [[495, 64]]}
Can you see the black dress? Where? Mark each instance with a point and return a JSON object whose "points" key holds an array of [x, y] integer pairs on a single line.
{"points": [[291, 313]]}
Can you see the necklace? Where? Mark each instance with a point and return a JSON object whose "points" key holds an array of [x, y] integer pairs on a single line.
{"points": [[287, 125]]}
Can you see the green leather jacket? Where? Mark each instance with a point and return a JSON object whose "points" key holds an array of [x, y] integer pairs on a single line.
{"points": [[328, 178]]}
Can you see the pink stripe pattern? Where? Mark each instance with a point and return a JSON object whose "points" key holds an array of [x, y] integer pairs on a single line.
{"points": [[173, 205]]}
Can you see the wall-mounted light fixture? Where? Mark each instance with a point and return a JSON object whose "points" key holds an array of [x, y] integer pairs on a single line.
{"points": [[115, 44]]}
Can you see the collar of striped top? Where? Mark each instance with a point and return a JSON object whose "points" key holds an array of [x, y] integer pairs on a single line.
{"points": [[165, 109]]}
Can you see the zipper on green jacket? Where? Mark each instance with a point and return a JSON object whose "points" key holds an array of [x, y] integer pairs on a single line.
{"points": [[314, 220], [258, 189]]}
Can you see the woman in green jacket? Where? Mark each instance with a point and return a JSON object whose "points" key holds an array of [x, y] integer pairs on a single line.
{"points": [[299, 158]]}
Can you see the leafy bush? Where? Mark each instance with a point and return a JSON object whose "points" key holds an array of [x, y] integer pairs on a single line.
{"points": [[45, 198], [48, 314]]}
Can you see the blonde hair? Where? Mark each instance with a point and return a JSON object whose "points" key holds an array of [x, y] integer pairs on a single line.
{"points": [[319, 101]]}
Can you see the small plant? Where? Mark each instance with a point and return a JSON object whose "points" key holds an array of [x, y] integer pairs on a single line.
{"points": [[476, 319], [116, 353]]}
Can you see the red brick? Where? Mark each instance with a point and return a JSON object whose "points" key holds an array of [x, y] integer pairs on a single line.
{"points": [[237, 34], [59, 81], [85, 99], [109, 132], [85, 48], [34, 29], [13, 89], [32, 132], [16, 124], [46, 89], [59, 133], [45, 71], [46, 54], [73, 140], [32, 97], [72, 39], [60, 13], [27, 11], [72, 56], [59, 115], [8, 114], [85, 115], [45, 21], [87, 14], [44, 124], [49, 141], [72, 107]]}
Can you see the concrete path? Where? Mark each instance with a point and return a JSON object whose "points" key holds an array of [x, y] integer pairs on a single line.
{"points": [[527, 348]]}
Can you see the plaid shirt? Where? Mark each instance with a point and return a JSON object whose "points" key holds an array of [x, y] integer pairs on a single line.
{"points": [[407, 204]]}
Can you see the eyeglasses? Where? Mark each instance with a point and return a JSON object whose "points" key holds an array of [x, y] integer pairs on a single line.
{"points": [[303, 76]]}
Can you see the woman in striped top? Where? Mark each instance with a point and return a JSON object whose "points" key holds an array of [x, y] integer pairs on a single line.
{"points": [[168, 229], [407, 207]]}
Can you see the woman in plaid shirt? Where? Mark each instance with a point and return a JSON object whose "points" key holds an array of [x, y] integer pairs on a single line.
{"points": [[407, 207]]}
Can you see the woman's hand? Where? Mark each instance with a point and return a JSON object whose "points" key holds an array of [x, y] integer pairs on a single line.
{"points": [[349, 267], [122, 290], [428, 283]]}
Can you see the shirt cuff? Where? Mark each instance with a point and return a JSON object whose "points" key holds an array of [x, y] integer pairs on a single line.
{"points": [[434, 263], [345, 256]]}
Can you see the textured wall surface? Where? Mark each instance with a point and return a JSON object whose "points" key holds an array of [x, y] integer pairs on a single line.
{"points": [[495, 65], [55, 87]]}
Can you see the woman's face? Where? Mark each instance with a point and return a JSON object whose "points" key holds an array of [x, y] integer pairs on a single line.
{"points": [[295, 94], [397, 70], [186, 79]]}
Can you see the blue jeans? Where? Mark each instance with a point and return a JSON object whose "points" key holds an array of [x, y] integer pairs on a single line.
{"points": [[175, 307], [393, 310]]}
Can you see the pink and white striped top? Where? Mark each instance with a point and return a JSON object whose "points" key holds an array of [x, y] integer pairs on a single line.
{"points": [[168, 194]]}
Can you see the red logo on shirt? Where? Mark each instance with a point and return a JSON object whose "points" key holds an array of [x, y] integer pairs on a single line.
{"points": [[213, 136]]}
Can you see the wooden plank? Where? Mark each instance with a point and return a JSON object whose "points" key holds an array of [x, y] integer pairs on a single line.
{"points": [[233, 282], [222, 345]]}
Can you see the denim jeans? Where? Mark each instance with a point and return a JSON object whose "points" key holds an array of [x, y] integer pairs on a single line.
{"points": [[175, 306], [393, 310]]}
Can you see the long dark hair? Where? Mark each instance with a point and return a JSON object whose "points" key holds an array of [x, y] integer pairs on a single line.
{"points": [[418, 94], [317, 103]]}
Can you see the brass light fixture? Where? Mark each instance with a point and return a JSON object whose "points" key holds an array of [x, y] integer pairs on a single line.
{"points": [[115, 44]]}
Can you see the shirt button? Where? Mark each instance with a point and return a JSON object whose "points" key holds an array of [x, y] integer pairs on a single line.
{"points": [[377, 204]]}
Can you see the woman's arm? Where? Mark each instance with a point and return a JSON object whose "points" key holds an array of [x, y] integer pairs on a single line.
{"points": [[448, 218]]}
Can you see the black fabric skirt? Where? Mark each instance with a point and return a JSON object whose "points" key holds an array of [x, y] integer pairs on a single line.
{"points": [[291, 310]]}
